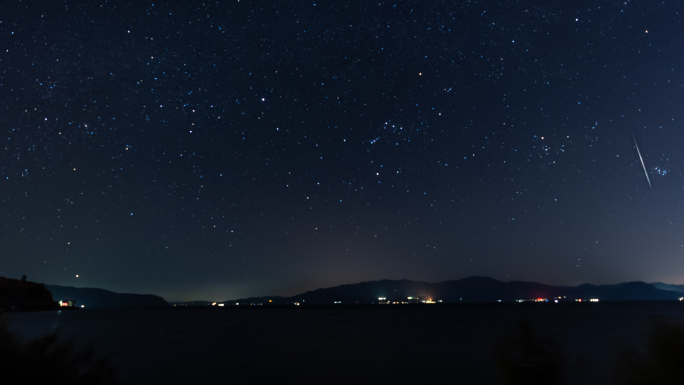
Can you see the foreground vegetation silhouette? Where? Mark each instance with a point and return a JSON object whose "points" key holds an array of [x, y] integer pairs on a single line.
{"points": [[662, 361], [46, 360], [523, 357]]}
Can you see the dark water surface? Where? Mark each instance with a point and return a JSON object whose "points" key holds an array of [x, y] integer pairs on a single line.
{"points": [[384, 344]]}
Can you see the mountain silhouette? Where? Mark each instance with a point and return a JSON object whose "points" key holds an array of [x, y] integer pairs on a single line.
{"points": [[467, 290], [91, 297]]}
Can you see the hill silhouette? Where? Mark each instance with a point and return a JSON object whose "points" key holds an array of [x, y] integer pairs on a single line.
{"points": [[21, 294], [666, 286], [91, 297], [467, 290]]}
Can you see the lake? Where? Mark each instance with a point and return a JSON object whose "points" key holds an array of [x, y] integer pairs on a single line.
{"points": [[382, 343]]}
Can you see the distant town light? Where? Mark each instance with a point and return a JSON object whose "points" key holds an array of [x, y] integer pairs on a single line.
{"points": [[66, 303]]}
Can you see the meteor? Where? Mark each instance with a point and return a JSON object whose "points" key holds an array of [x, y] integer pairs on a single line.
{"points": [[642, 161]]}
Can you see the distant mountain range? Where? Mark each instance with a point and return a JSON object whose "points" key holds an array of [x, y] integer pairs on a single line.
{"points": [[473, 289], [667, 286], [98, 298]]}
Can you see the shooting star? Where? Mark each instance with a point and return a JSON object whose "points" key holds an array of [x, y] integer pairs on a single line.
{"points": [[642, 161]]}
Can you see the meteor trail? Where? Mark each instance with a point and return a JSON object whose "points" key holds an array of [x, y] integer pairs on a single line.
{"points": [[642, 161]]}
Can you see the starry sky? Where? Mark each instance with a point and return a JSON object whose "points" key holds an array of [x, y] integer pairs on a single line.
{"points": [[218, 150]]}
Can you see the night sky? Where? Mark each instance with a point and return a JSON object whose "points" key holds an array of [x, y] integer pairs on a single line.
{"points": [[218, 150]]}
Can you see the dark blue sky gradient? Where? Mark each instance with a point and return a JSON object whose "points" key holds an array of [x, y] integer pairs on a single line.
{"points": [[217, 150]]}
